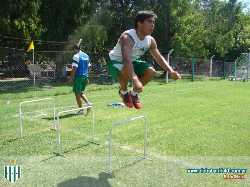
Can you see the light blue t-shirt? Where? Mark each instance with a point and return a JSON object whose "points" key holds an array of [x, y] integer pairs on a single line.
{"points": [[81, 62]]}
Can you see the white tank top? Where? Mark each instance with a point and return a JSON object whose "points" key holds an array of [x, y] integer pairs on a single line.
{"points": [[139, 48]]}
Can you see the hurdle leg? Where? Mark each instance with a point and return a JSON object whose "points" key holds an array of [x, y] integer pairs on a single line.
{"points": [[58, 130], [121, 123], [109, 160], [21, 121]]}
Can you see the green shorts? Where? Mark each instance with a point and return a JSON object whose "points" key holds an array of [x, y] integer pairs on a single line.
{"points": [[115, 67], [80, 84]]}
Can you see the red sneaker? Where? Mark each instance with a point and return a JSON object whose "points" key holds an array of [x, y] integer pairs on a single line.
{"points": [[136, 101], [127, 100]]}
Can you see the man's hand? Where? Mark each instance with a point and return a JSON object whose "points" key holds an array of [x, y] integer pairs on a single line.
{"points": [[137, 85], [72, 75], [175, 75]]}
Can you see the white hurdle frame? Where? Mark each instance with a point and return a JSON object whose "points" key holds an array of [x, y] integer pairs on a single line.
{"points": [[34, 101], [121, 123], [58, 126]]}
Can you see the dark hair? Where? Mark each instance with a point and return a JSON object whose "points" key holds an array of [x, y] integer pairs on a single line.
{"points": [[76, 47], [142, 15]]}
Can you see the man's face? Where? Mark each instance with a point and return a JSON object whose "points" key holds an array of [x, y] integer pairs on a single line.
{"points": [[147, 27]]}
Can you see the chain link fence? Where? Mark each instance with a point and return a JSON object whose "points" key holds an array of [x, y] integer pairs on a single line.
{"points": [[17, 69], [200, 68]]}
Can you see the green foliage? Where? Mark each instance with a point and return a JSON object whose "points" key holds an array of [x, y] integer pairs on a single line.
{"points": [[189, 39], [221, 19], [21, 18], [199, 28], [61, 18], [93, 38], [93, 35]]}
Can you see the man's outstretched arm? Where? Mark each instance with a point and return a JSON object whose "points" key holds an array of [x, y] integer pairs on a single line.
{"points": [[162, 61]]}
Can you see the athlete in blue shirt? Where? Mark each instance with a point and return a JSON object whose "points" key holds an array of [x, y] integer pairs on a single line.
{"points": [[80, 68]]}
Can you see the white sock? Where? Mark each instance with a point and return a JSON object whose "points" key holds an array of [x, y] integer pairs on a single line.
{"points": [[134, 93], [124, 92], [89, 104]]}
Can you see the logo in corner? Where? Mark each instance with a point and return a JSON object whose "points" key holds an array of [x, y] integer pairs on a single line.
{"points": [[12, 172]]}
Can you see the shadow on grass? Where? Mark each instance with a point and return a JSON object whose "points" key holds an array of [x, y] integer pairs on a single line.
{"points": [[27, 86], [185, 79], [51, 157], [76, 148], [7, 141], [129, 164], [100, 181], [162, 81], [85, 181], [62, 117], [57, 154]]}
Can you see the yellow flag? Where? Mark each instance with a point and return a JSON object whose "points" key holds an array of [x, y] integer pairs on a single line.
{"points": [[31, 46]]}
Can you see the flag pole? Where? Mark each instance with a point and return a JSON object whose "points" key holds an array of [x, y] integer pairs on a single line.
{"points": [[34, 78]]}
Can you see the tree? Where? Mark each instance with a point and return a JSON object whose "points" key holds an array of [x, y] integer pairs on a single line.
{"points": [[61, 18], [20, 18], [222, 21], [189, 38]]}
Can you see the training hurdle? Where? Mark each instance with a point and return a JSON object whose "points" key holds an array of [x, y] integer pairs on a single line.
{"points": [[21, 114], [58, 126], [121, 123]]}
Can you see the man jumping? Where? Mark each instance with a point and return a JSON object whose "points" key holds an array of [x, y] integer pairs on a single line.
{"points": [[124, 59]]}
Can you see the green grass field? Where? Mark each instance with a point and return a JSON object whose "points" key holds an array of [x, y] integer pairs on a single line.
{"points": [[203, 124]]}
